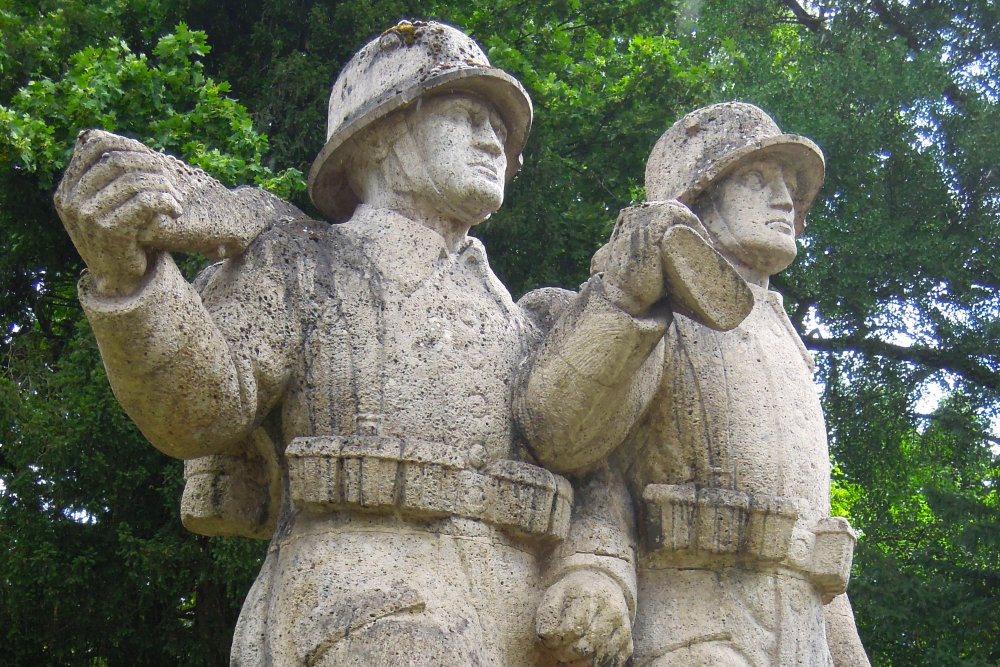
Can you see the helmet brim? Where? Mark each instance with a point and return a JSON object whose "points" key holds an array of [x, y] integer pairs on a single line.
{"points": [[328, 187], [786, 149]]}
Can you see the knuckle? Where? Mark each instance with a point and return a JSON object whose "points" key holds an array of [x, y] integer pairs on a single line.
{"points": [[87, 211], [135, 181], [115, 159], [145, 199]]}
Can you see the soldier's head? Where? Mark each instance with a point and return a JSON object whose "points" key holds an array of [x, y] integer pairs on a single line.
{"points": [[419, 118], [443, 157], [749, 184]]}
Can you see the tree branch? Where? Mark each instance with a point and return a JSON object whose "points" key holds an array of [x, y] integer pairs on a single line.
{"points": [[953, 92], [801, 311], [896, 24], [944, 360], [985, 435], [813, 23], [597, 179]]}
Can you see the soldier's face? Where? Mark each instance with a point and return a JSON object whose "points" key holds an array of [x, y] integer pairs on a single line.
{"points": [[461, 140], [756, 206]]}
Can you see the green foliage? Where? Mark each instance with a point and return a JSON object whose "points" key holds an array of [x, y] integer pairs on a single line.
{"points": [[895, 288], [281, 58], [168, 103], [84, 500], [930, 525], [93, 559], [174, 106], [605, 81]]}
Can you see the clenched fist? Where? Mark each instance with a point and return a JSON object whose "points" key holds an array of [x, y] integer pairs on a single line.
{"points": [[114, 196], [661, 251], [632, 261], [584, 620], [122, 202]]}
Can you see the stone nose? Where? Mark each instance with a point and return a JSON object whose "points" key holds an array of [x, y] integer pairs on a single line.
{"points": [[486, 138], [781, 196]]}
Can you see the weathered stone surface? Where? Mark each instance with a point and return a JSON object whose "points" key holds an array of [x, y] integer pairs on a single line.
{"points": [[365, 394], [345, 389], [704, 409], [236, 495], [404, 64], [708, 143]]}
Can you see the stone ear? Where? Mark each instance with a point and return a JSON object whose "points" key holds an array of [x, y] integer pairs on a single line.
{"points": [[377, 144], [705, 202], [599, 262], [707, 209], [395, 128], [378, 141]]}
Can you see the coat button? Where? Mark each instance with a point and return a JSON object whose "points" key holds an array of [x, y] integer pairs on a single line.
{"points": [[477, 457]]}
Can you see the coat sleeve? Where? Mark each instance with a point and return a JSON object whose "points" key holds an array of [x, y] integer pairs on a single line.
{"points": [[198, 372], [842, 634], [601, 536], [588, 381], [577, 395]]}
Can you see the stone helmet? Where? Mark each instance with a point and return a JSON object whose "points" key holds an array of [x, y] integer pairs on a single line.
{"points": [[705, 145], [405, 63]]}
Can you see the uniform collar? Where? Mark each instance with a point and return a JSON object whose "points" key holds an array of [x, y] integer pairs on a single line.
{"points": [[407, 251], [768, 296], [776, 302]]}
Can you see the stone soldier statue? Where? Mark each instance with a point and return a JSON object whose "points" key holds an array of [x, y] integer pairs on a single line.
{"points": [[346, 387], [718, 436]]}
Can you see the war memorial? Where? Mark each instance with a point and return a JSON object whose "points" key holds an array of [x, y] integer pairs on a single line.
{"points": [[637, 470]]}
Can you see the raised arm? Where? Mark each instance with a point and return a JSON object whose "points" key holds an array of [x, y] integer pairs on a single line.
{"points": [[600, 364], [195, 379]]}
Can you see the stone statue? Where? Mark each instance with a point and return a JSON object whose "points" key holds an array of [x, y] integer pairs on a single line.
{"points": [[715, 437], [364, 394], [345, 389]]}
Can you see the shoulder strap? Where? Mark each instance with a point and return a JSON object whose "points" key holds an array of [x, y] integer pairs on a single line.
{"points": [[700, 350]]}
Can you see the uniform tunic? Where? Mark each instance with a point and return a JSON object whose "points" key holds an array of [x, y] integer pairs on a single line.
{"points": [[720, 439], [736, 411], [361, 347]]}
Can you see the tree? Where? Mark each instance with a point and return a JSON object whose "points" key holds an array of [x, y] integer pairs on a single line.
{"points": [[894, 289], [85, 502]]}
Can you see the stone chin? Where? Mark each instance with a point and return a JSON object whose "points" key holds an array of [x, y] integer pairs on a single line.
{"points": [[766, 247], [485, 201], [770, 257], [473, 198]]}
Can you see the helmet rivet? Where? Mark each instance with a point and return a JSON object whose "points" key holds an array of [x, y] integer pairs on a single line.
{"points": [[390, 40]]}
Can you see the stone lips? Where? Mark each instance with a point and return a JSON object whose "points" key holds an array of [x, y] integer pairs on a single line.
{"points": [[707, 144], [405, 63]]}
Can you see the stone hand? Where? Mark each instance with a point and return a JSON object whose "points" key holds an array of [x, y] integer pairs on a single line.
{"points": [[701, 283], [632, 261], [661, 250], [112, 199], [584, 620]]}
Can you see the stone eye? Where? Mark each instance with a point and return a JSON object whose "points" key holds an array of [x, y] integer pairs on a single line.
{"points": [[499, 128], [463, 113], [475, 115], [752, 179]]}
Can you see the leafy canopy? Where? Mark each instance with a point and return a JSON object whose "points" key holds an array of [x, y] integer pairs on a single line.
{"points": [[894, 287]]}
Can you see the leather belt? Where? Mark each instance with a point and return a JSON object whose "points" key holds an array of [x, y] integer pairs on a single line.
{"points": [[426, 480], [689, 527]]}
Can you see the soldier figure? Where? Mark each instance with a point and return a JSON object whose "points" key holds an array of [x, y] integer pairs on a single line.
{"points": [[345, 387], [718, 435]]}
